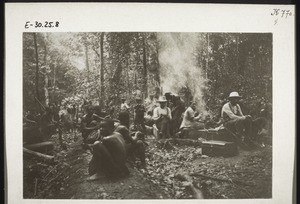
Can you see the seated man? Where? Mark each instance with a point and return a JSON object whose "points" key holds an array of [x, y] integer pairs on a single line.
{"points": [[134, 146], [89, 123], [233, 118], [162, 117], [109, 153], [191, 119]]}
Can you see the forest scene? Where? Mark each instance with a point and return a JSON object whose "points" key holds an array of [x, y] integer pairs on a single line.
{"points": [[140, 115]]}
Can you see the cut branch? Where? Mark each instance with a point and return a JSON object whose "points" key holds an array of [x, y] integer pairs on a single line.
{"points": [[40, 147], [38, 155]]}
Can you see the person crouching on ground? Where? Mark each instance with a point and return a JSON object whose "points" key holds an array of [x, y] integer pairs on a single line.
{"points": [[109, 153], [134, 146], [162, 117]]}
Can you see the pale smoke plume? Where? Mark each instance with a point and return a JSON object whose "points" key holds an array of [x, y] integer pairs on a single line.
{"points": [[179, 68]]}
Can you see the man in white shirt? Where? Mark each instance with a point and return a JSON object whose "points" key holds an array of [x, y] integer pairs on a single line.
{"points": [[233, 117], [162, 117], [190, 120]]}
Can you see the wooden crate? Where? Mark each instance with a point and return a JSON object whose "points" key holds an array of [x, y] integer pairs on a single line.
{"points": [[219, 148]]}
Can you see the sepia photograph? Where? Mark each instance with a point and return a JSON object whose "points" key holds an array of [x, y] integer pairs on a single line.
{"points": [[149, 102], [147, 115]]}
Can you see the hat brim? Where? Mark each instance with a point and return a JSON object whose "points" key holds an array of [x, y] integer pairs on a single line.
{"points": [[234, 97], [162, 101]]}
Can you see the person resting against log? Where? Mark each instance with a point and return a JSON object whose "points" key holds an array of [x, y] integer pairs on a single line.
{"points": [[109, 153], [242, 125], [134, 146]]}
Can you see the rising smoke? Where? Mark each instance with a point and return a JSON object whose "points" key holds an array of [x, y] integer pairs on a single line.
{"points": [[179, 67]]}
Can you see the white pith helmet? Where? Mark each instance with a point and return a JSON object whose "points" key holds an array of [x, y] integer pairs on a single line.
{"points": [[234, 94]]}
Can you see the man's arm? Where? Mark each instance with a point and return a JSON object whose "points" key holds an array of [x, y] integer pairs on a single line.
{"points": [[169, 113], [239, 110], [155, 114], [190, 114]]}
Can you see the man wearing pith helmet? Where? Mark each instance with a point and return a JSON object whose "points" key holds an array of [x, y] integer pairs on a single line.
{"points": [[233, 117]]}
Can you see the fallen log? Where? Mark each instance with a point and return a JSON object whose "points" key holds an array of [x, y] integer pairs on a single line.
{"points": [[188, 142], [220, 179], [42, 147], [197, 193], [38, 155]]}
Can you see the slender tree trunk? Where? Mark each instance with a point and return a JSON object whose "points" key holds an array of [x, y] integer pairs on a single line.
{"points": [[46, 77], [206, 70], [128, 78], [158, 65], [54, 75], [87, 62], [145, 66], [37, 68], [237, 54], [102, 70], [135, 81]]}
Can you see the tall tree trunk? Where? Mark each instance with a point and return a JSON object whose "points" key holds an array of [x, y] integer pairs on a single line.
{"points": [[87, 62], [54, 75], [46, 76], [102, 70], [207, 59], [36, 68], [237, 54], [157, 55], [145, 66], [128, 78]]}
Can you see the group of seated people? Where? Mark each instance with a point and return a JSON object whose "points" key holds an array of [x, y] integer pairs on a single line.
{"points": [[232, 118], [111, 143]]}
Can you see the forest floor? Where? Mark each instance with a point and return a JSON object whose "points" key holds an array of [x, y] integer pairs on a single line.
{"points": [[248, 175]]}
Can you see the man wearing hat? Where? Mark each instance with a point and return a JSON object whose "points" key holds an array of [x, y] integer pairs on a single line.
{"points": [[162, 117], [233, 117]]}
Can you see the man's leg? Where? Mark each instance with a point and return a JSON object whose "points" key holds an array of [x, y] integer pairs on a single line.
{"points": [[140, 150], [258, 125], [244, 127]]}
